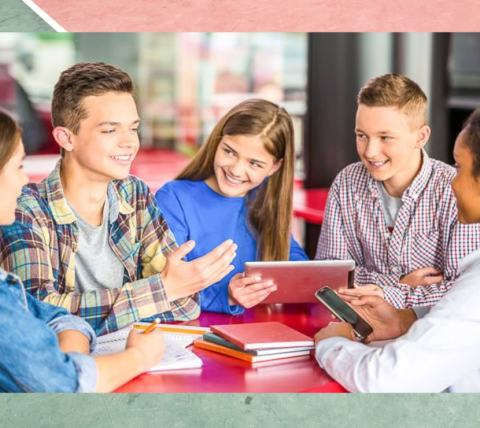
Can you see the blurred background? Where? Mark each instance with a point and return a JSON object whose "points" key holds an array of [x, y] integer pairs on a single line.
{"points": [[187, 81]]}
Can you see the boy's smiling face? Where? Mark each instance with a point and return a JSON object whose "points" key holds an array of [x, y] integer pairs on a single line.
{"points": [[107, 141], [389, 146]]}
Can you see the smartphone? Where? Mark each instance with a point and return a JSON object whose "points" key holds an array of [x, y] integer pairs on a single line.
{"points": [[344, 312]]}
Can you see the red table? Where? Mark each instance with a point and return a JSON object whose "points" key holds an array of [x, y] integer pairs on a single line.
{"points": [[221, 373]]}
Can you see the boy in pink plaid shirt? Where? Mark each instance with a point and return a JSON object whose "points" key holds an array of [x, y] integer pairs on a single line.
{"points": [[394, 212]]}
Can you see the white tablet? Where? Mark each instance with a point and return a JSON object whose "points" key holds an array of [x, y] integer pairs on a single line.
{"points": [[297, 282]]}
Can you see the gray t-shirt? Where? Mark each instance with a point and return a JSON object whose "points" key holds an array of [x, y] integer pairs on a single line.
{"points": [[96, 265], [390, 205]]}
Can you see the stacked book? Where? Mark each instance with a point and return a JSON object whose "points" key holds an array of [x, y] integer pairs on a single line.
{"points": [[254, 342]]}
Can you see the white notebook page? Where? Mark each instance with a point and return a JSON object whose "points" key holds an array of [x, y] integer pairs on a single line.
{"points": [[176, 355]]}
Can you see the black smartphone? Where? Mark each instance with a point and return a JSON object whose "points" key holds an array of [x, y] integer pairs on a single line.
{"points": [[344, 312]]}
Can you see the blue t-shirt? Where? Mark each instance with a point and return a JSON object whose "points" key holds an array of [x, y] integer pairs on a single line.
{"points": [[194, 211]]}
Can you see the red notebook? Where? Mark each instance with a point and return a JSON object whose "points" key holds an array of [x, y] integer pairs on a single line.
{"points": [[262, 335]]}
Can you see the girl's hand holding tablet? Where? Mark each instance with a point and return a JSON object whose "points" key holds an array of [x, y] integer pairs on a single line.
{"points": [[182, 279], [248, 291]]}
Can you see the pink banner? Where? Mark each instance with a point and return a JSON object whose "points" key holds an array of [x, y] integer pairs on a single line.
{"points": [[261, 15]]}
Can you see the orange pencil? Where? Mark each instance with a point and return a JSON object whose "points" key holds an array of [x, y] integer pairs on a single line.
{"points": [[152, 326]]}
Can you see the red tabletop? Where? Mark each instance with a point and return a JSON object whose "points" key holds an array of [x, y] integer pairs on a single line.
{"points": [[309, 204], [221, 373]]}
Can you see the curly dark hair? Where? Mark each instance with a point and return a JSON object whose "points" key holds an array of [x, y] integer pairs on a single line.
{"points": [[472, 140]]}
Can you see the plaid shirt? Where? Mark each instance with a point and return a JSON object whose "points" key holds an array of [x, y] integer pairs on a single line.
{"points": [[40, 248], [426, 232]]}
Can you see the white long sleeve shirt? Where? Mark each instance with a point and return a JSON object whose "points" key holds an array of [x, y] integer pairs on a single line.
{"points": [[440, 352]]}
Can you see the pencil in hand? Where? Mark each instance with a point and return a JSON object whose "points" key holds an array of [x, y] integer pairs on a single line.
{"points": [[152, 326]]}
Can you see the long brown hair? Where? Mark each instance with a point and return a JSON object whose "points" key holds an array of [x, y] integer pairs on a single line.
{"points": [[270, 204], [10, 134]]}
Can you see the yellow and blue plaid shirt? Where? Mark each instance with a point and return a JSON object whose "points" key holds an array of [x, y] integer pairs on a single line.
{"points": [[40, 248]]}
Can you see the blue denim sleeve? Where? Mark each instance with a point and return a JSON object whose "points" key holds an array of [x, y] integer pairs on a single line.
{"points": [[44, 311], [297, 253], [215, 299], [31, 360], [86, 371], [72, 322], [59, 319]]}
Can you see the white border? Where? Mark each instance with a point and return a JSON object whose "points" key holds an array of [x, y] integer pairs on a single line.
{"points": [[50, 21]]}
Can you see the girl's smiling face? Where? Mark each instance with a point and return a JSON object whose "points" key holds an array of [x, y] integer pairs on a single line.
{"points": [[241, 163]]}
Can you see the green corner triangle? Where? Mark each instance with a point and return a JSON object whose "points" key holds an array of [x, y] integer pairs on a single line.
{"points": [[16, 16]]}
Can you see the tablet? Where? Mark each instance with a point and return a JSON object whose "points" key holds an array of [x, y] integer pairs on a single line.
{"points": [[297, 282]]}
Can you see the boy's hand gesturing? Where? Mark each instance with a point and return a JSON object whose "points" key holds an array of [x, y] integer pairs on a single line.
{"points": [[182, 279]]}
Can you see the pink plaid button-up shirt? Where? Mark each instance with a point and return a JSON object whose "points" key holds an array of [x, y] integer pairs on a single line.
{"points": [[426, 232]]}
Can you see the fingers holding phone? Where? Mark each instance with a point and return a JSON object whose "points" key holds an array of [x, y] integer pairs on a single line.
{"points": [[344, 312], [387, 322]]}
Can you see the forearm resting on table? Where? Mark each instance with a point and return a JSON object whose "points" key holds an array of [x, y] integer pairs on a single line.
{"points": [[116, 369]]}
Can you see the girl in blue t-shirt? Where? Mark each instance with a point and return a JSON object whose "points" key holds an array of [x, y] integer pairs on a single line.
{"points": [[239, 186]]}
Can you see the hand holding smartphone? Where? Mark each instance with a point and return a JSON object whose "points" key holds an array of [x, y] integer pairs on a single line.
{"points": [[343, 312]]}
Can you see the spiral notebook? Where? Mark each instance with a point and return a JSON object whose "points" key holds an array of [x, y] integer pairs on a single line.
{"points": [[176, 355]]}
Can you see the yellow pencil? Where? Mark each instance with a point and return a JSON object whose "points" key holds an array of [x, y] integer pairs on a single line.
{"points": [[179, 328], [152, 326]]}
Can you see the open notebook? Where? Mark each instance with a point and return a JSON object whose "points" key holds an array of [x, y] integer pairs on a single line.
{"points": [[176, 355]]}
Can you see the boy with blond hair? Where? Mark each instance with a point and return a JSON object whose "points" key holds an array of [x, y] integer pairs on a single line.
{"points": [[394, 212]]}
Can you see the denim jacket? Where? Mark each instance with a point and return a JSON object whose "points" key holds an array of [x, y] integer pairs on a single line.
{"points": [[30, 358]]}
